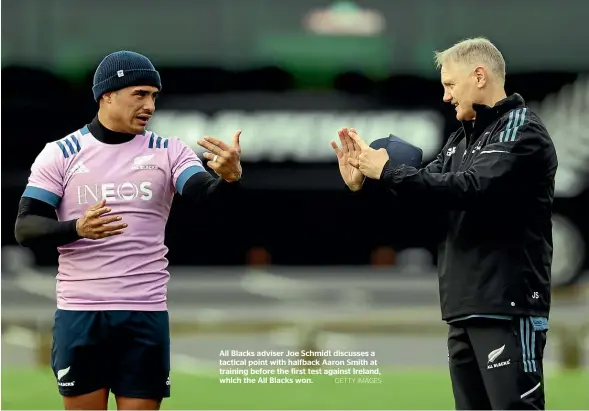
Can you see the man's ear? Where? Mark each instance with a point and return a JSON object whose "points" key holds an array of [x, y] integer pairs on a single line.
{"points": [[481, 76], [109, 96]]}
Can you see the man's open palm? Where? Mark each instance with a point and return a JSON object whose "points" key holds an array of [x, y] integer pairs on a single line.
{"points": [[347, 157]]}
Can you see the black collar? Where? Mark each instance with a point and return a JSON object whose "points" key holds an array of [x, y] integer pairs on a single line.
{"points": [[107, 136], [485, 115]]}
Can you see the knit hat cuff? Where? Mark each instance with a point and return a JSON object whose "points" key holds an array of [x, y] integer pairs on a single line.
{"points": [[127, 78]]}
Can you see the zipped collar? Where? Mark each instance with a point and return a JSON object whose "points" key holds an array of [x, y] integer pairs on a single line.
{"points": [[486, 115]]}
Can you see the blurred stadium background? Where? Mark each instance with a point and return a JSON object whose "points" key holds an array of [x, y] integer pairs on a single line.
{"points": [[281, 269]]}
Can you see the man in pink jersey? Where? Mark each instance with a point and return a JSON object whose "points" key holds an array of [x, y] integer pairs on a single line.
{"points": [[111, 185]]}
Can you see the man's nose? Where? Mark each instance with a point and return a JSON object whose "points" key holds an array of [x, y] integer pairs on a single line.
{"points": [[149, 106]]}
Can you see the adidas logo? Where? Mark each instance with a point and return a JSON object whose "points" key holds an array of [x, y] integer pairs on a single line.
{"points": [[77, 169]]}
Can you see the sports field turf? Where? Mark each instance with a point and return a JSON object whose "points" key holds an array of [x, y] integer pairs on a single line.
{"points": [[417, 389]]}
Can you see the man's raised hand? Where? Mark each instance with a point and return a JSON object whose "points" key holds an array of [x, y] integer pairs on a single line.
{"points": [[223, 159], [370, 161], [348, 160]]}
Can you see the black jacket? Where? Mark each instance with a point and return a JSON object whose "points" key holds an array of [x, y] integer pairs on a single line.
{"points": [[494, 180]]}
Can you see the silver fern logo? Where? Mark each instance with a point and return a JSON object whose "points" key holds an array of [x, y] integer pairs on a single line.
{"points": [[62, 373], [495, 353], [565, 115]]}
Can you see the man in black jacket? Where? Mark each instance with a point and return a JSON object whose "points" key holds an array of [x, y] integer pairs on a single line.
{"points": [[494, 179]]}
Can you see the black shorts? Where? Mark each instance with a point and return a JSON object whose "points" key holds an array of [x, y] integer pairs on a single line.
{"points": [[127, 352], [497, 364]]}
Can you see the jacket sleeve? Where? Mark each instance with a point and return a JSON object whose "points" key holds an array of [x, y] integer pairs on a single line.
{"points": [[511, 160], [373, 188], [436, 165]]}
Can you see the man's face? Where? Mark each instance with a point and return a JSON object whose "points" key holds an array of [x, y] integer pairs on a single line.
{"points": [[132, 107], [460, 89]]}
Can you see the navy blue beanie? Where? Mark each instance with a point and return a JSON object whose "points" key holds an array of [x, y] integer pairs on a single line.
{"points": [[124, 69], [400, 151]]}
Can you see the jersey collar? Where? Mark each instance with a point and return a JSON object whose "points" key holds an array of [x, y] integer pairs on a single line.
{"points": [[107, 136]]}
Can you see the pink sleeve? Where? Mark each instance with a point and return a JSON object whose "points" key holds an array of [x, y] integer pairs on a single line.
{"points": [[46, 178], [185, 163]]}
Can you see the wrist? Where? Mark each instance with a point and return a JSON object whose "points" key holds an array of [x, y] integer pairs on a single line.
{"points": [[384, 169], [77, 228], [387, 171], [229, 185], [233, 179]]}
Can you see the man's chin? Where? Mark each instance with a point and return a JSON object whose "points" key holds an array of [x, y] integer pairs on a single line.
{"points": [[136, 129], [464, 116]]}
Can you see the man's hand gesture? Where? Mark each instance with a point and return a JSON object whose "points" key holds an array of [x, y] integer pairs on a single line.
{"points": [[223, 160], [93, 226], [347, 158], [370, 161]]}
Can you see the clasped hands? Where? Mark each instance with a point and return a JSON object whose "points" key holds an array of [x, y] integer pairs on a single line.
{"points": [[358, 160]]}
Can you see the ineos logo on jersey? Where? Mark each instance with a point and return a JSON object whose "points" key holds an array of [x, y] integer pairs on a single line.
{"points": [[112, 192]]}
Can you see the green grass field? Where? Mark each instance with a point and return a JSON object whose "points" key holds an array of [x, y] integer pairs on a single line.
{"points": [[418, 389]]}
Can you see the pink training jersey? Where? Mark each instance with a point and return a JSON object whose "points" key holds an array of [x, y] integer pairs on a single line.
{"points": [[138, 180]]}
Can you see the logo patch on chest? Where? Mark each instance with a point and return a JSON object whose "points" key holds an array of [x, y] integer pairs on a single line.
{"points": [[114, 192], [477, 148], [78, 169], [142, 163]]}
